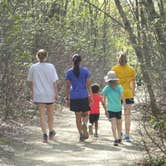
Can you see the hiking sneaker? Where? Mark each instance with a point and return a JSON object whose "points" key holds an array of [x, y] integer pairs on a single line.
{"points": [[85, 132], [52, 134], [45, 138], [96, 135], [90, 130], [127, 139], [81, 137], [116, 143]]}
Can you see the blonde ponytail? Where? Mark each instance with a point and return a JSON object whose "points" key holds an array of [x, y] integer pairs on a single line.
{"points": [[122, 59]]}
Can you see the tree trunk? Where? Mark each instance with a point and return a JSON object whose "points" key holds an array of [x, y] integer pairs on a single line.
{"points": [[140, 51]]}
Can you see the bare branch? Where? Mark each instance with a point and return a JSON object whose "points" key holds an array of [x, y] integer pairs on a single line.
{"points": [[107, 14], [126, 22]]}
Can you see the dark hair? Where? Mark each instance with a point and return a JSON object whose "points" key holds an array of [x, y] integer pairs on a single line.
{"points": [[122, 59], [76, 61], [41, 55], [113, 83], [95, 88]]}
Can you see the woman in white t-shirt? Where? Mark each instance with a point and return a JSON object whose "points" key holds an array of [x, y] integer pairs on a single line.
{"points": [[43, 84]]}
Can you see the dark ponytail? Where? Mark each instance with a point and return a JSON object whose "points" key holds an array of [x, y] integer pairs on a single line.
{"points": [[76, 61]]}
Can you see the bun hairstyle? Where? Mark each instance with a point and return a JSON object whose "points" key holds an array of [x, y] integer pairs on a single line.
{"points": [[41, 55], [76, 61], [122, 58]]}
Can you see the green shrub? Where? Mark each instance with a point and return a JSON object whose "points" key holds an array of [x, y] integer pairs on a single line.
{"points": [[155, 161]]}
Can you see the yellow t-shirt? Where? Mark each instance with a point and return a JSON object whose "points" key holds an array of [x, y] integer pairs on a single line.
{"points": [[125, 74]]}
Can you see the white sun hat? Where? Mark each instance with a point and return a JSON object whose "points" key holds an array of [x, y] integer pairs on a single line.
{"points": [[111, 76]]}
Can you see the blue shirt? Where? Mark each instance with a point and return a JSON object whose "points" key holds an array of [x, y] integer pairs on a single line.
{"points": [[78, 88], [113, 98]]}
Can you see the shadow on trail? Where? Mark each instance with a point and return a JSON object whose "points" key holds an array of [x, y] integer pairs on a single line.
{"points": [[101, 147], [66, 150], [136, 146]]}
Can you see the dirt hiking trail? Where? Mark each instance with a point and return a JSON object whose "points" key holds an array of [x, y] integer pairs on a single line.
{"points": [[66, 150]]}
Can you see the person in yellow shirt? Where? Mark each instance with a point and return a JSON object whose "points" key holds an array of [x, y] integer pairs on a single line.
{"points": [[126, 75]]}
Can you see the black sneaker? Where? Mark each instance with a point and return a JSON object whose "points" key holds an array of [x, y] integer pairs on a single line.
{"points": [[119, 141], [45, 138], [81, 137], [52, 134], [116, 143]]}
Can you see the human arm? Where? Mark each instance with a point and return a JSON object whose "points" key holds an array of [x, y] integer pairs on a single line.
{"points": [[103, 102], [56, 90], [104, 99], [88, 85], [30, 83], [123, 99], [68, 92], [132, 81], [132, 85], [55, 82]]}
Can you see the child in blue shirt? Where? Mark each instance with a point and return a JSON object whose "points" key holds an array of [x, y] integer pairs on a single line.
{"points": [[113, 94]]}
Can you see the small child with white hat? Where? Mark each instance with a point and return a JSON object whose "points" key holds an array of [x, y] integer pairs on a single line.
{"points": [[113, 94]]}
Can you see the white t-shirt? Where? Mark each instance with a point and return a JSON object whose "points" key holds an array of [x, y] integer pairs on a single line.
{"points": [[43, 75]]}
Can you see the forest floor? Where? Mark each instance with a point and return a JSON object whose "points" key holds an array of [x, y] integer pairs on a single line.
{"points": [[26, 147]]}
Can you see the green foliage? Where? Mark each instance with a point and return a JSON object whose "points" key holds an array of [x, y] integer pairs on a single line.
{"points": [[69, 27], [155, 161], [4, 140], [157, 123]]}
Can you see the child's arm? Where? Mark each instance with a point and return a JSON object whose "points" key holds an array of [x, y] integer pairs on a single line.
{"points": [[103, 102]]}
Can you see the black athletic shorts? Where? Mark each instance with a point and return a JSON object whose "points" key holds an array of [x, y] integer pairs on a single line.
{"points": [[116, 115], [130, 101], [43, 103], [79, 105], [93, 118]]}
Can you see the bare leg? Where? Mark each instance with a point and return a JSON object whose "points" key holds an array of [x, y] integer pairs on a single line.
{"points": [[127, 114], [78, 121], [114, 127], [96, 127], [91, 128], [42, 112], [119, 128], [50, 112], [85, 117], [84, 124]]}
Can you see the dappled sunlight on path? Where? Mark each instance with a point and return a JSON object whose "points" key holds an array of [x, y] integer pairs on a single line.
{"points": [[66, 150]]}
